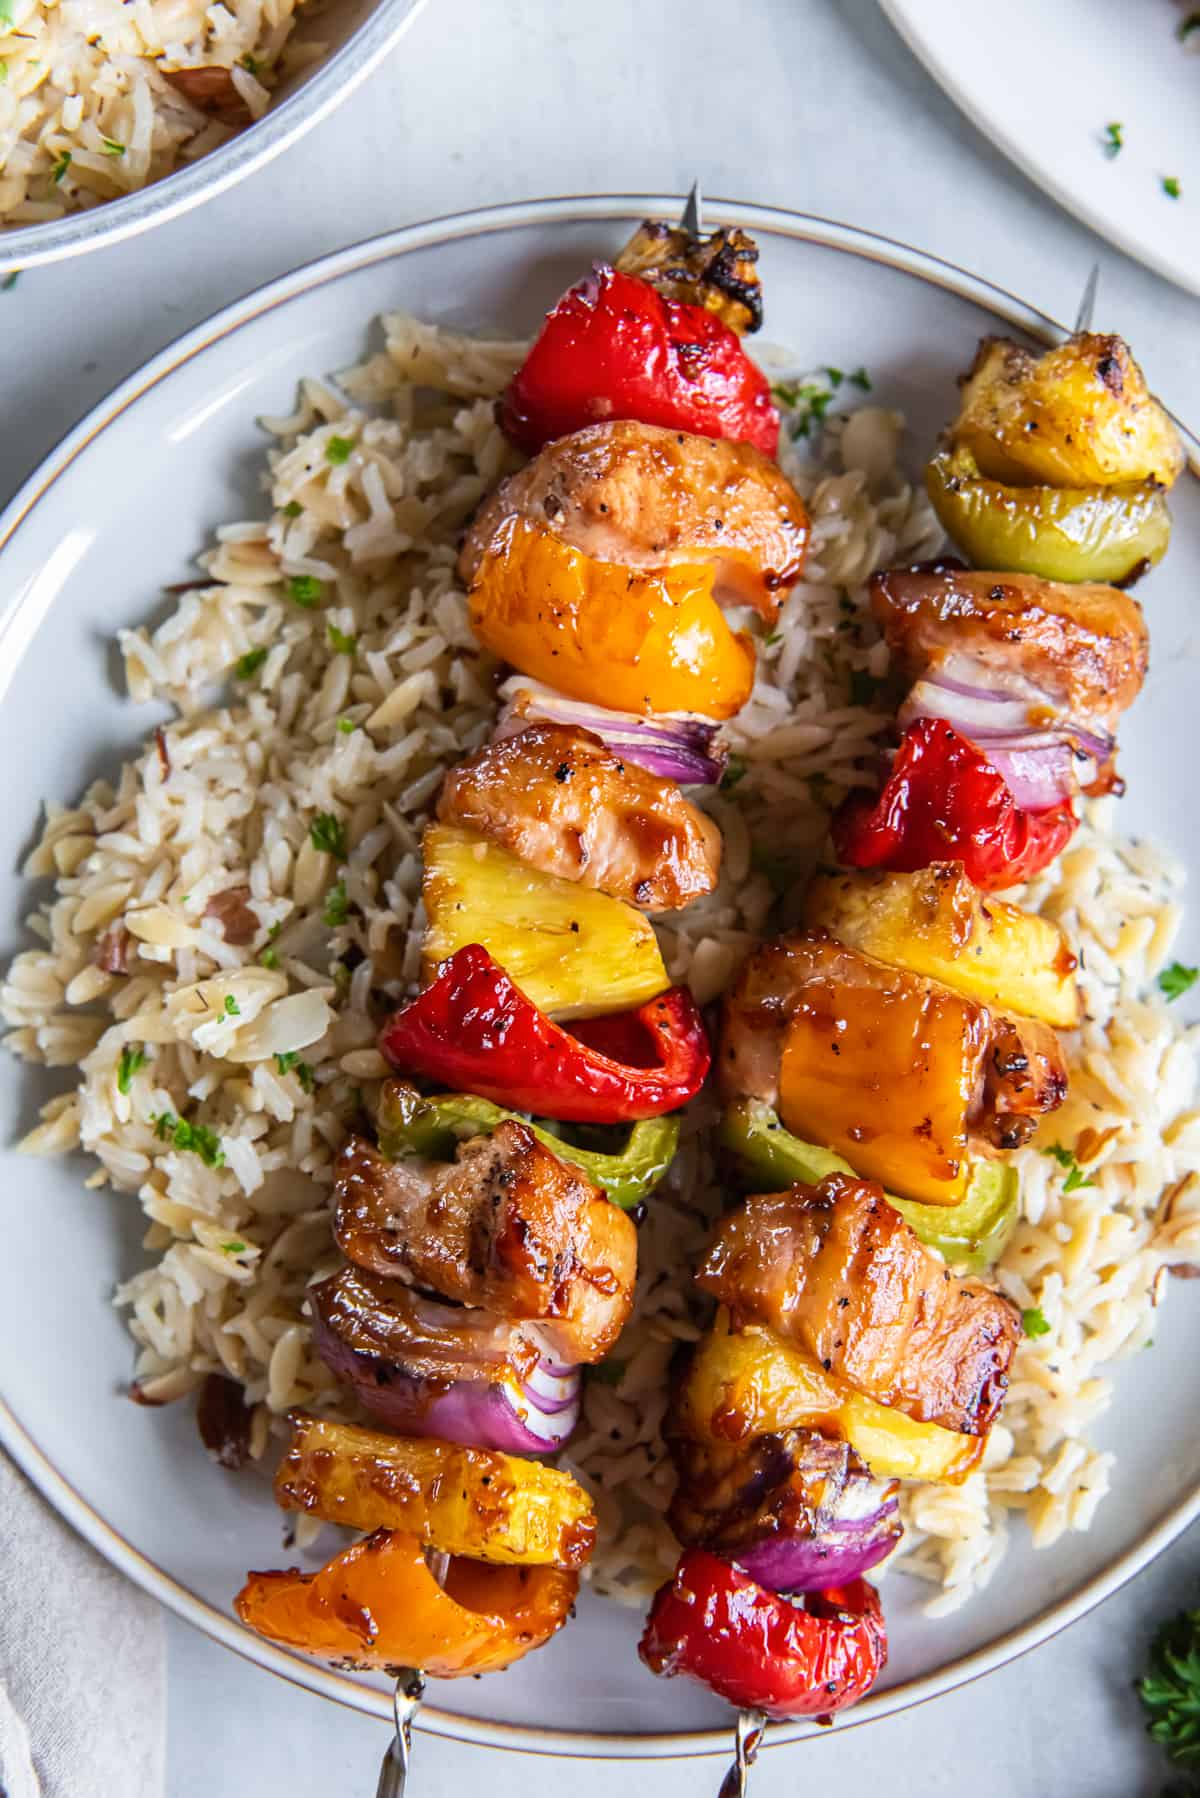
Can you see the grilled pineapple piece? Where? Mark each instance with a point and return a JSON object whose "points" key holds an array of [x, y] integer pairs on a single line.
{"points": [[748, 1382], [573, 952], [937, 923], [461, 1501], [1079, 415]]}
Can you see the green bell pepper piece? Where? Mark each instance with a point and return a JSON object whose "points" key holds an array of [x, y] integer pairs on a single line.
{"points": [[410, 1124], [971, 1234]]}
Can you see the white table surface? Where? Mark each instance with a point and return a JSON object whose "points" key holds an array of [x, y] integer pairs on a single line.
{"points": [[804, 103]]}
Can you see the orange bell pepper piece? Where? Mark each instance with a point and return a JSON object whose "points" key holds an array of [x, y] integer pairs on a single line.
{"points": [[610, 635], [377, 1606]]}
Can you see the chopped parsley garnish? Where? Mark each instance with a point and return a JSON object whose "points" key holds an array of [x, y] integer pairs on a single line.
{"points": [[235, 1247], [305, 589], [112, 147], [1076, 1178], [1188, 26], [834, 376], [3, 69], [861, 379], [346, 726], [293, 509], [1176, 980], [60, 168], [291, 1059], [864, 686], [10, 281], [808, 402], [775, 637], [736, 769], [1171, 186], [129, 1064], [340, 643], [248, 665], [269, 959], [195, 1139], [232, 1008], [326, 834], [1034, 1322], [338, 450], [1114, 139], [337, 906], [250, 63]]}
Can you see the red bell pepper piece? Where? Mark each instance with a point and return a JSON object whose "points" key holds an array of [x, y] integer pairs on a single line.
{"points": [[761, 1650], [943, 801], [613, 347], [475, 1032]]}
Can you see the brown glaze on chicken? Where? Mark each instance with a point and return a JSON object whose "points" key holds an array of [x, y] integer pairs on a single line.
{"points": [[360, 1315], [836, 1270], [734, 1494], [1084, 646], [893, 1071], [559, 800], [646, 496], [507, 1227]]}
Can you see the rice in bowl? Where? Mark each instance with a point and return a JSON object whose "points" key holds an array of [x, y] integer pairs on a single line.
{"points": [[217, 982]]}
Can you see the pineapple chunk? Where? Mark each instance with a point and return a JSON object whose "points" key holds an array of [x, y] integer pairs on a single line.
{"points": [[463, 1501], [575, 953], [937, 924]]}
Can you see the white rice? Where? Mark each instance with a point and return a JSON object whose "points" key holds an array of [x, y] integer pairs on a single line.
{"points": [[370, 482], [87, 112]]}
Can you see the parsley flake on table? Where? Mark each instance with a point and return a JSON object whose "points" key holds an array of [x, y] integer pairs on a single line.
{"points": [[132, 1059], [305, 589], [1170, 1689], [1114, 139], [341, 643], [1176, 980], [1171, 187], [1034, 1322], [248, 665], [325, 833], [338, 450]]}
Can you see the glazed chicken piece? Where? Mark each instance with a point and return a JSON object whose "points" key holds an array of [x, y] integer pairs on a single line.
{"points": [[888, 1068], [1070, 650], [563, 803], [507, 1227], [646, 497], [836, 1270], [733, 1494], [358, 1314]]}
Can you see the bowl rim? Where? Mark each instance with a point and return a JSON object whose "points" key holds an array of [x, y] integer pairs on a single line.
{"points": [[24, 247], [224, 1628]]}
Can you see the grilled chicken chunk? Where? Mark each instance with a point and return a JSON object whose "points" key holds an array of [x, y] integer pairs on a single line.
{"points": [[646, 496], [360, 1317], [562, 802], [888, 1068], [1082, 649], [507, 1227], [836, 1270], [734, 1494]]}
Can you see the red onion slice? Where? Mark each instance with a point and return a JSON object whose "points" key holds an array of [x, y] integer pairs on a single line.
{"points": [[674, 747], [863, 1530]]}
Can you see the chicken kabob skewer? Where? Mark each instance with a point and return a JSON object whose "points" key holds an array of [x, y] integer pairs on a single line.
{"points": [[489, 1254]]}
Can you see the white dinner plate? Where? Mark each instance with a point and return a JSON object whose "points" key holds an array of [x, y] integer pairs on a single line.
{"points": [[1044, 81], [115, 515]]}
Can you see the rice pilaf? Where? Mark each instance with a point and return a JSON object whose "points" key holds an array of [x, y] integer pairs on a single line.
{"points": [[217, 978]]}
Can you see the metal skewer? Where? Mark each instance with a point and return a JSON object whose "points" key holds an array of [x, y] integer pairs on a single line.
{"points": [[690, 219], [1087, 305], [747, 1742], [406, 1702]]}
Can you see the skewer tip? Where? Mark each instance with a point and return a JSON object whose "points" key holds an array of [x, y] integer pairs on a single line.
{"points": [[690, 220], [1087, 304]]}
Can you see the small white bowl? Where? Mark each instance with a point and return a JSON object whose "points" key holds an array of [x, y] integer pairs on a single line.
{"points": [[359, 32]]}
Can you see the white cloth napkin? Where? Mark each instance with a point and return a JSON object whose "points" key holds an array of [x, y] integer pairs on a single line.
{"points": [[82, 1663]]}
